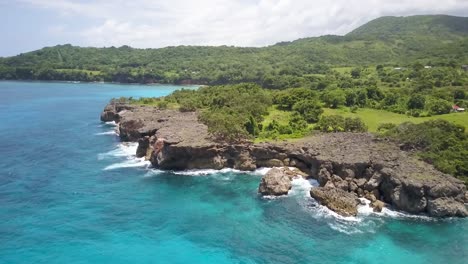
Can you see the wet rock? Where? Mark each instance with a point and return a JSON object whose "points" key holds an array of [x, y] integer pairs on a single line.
{"points": [[377, 206], [444, 206], [373, 182], [410, 197], [342, 202], [360, 182], [276, 181], [370, 197], [270, 163], [245, 162], [323, 176], [143, 145], [352, 186]]}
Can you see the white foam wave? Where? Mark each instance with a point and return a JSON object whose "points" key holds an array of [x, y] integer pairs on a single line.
{"points": [[261, 171], [152, 173], [129, 164], [127, 149], [367, 210], [124, 150], [206, 172], [301, 186], [388, 212], [111, 123], [113, 132]]}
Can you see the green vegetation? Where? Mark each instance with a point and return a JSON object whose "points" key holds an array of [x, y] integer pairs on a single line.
{"points": [[373, 118], [379, 77], [440, 41], [337, 123], [439, 142]]}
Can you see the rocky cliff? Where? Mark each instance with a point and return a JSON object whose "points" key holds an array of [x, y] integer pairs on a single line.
{"points": [[359, 164]]}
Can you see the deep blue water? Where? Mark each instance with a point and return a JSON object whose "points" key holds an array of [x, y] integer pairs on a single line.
{"points": [[70, 193]]}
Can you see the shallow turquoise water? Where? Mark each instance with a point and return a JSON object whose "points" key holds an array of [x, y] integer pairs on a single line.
{"points": [[70, 193]]}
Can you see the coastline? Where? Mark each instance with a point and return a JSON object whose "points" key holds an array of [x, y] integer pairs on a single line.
{"points": [[85, 82], [352, 165]]}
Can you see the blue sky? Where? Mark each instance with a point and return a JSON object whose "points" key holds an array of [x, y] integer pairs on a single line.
{"points": [[27, 25]]}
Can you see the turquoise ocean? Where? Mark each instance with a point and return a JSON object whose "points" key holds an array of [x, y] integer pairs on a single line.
{"points": [[71, 192]]}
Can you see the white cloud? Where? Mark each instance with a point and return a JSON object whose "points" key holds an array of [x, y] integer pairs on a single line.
{"points": [[146, 23]]}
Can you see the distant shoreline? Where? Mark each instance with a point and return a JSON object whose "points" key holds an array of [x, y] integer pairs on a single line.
{"points": [[119, 83]]}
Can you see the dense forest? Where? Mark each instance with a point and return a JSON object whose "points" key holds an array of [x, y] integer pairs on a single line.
{"points": [[387, 41]]}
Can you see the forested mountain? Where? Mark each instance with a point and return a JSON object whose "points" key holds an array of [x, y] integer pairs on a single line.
{"points": [[398, 41]]}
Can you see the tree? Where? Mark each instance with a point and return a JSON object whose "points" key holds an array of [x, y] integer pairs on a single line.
{"points": [[416, 101], [351, 98], [252, 126], [439, 106], [356, 73], [297, 122], [334, 98], [459, 94], [332, 123], [309, 109], [354, 125]]}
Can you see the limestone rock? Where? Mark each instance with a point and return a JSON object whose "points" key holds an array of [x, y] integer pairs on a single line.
{"points": [[143, 145], [373, 182], [342, 202], [377, 206], [444, 206], [276, 182], [271, 163], [410, 198], [179, 141]]}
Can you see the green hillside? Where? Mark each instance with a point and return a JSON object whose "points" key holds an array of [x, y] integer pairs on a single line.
{"points": [[435, 40], [435, 26]]}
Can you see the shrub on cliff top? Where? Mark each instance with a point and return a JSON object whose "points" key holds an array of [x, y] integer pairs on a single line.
{"points": [[337, 123], [439, 142]]}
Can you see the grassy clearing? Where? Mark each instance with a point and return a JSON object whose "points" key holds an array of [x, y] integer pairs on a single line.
{"points": [[373, 117], [280, 116], [343, 70], [77, 70]]}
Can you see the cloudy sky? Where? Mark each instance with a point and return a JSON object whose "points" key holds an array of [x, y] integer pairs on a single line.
{"points": [[27, 25]]}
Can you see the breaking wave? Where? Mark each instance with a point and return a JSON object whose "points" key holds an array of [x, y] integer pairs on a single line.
{"points": [[127, 151]]}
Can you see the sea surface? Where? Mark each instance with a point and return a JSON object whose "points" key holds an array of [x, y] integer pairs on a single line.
{"points": [[70, 192]]}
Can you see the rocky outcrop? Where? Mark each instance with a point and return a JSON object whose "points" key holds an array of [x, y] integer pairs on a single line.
{"points": [[445, 207], [276, 182], [112, 110], [342, 202], [359, 164]]}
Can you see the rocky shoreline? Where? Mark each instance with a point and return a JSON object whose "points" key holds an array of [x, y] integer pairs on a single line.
{"points": [[347, 166]]}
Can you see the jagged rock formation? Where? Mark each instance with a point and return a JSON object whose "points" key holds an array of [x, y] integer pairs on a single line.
{"points": [[276, 182], [342, 202], [358, 164]]}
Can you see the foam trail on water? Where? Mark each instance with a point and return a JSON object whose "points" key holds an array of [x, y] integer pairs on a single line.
{"points": [[122, 150], [261, 171], [152, 173], [205, 172], [111, 123], [129, 164], [301, 186], [113, 132]]}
